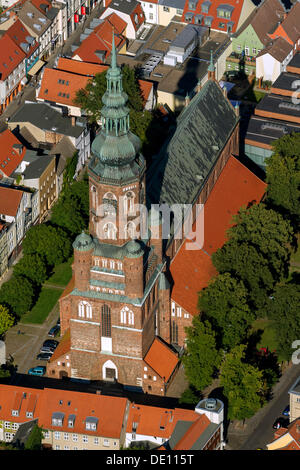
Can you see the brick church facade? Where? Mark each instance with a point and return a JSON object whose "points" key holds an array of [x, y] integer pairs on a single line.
{"points": [[116, 313]]}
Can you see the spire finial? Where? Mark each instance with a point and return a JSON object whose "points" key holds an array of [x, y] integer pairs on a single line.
{"points": [[211, 66], [113, 63]]}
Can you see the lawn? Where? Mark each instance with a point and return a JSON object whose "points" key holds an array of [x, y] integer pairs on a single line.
{"points": [[45, 303], [267, 337], [62, 274], [254, 95]]}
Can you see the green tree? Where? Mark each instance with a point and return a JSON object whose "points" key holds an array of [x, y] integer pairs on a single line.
{"points": [[284, 312], [70, 168], [201, 358], [283, 177], [71, 211], [17, 294], [6, 320], [268, 232], [242, 385], [51, 242], [34, 440], [224, 304], [256, 274], [33, 266]]}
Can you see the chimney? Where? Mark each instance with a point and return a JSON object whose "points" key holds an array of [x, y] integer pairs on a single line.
{"points": [[73, 120], [198, 86], [187, 100]]}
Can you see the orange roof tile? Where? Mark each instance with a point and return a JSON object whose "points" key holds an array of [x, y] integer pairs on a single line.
{"points": [[109, 411], [192, 269], [12, 152], [101, 39], [193, 433], [20, 399], [60, 86], [80, 67], [68, 288], [146, 88], [161, 359], [10, 200], [18, 33], [156, 421], [63, 347], [11, 56]]}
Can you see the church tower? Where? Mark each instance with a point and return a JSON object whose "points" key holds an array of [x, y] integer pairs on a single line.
{"points": [[112, 311]]}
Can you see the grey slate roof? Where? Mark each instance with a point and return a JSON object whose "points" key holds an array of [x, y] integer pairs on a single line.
{"points": [[264, 130], [179, 172], [44, 117], [283, 105], [181, 429], [124, 6], [23, 433], [285, 81], [37, 167], [295, 62], [34, 19], [64, 149], [179, 4]]}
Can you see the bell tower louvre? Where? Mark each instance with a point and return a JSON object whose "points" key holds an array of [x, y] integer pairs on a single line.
{"points": [[115, 312]]}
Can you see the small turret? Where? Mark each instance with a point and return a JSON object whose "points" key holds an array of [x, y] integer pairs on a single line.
{"points": [[83, 247], [133, 267]]}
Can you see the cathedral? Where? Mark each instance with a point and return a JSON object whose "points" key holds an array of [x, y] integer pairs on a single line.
{"points": [[116, 313]]}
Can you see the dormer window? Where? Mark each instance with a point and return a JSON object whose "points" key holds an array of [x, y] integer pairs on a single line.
{"points": [[57, 419], [192, 5], [29, 414], [91, 423], [205, 6], [15, 412], [71, 421]]}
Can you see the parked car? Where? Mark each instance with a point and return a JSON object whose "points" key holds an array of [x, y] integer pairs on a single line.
{"points": [[44, 356], [50, 343], [286, 411], [54, 331], [47, 349], [39, 370], [280, 423]]}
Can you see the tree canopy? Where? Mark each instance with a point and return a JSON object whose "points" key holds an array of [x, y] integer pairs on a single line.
{"points": [[283, 177], [17, 294], [33, 266], [201, 359], [224, 304], [6, 320], [242, 385]]}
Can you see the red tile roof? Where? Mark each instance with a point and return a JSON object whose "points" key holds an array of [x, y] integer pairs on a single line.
{"points": [[192, 269], [146, 88], [212, 12], [18, 33], [63, 347], [12, 152], [101, 39], [161, 359], [109, 411], [156, 421], [21, 399], [10, 200], [11, 56], [60, 86], [193, 433], [80, 67]]}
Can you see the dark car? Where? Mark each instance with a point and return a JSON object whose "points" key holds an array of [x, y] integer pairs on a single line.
{"points": [[280, 423], [51, 343], [44, 356], [47, 349], [286, 411], [54, 331]]}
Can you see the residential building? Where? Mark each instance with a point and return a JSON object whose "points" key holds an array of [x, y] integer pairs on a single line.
{"points": [[95, 43], [12, 153], [289, 28], [219, 16], [49, 126], [168, 9], [150, 9], [131, 12], [12, 70], [3, 248], [116, 310], [63, 151], [294, 393], [253, 36], [41, 175], [273, 59], [16, 208], [277, 114], [287, 438]]}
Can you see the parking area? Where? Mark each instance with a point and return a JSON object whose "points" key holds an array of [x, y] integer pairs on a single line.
{"points": [[23, 341]]}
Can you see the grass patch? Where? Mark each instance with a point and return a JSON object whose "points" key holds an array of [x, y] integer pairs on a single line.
{"points": [[62, 274], [267, 337], [254, 95], [45, 303]]}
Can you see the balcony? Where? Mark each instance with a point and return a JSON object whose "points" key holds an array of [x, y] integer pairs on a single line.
{"points": [[239, 57]]}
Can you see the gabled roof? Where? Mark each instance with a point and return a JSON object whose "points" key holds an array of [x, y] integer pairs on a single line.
{"points": [[291, 24], [101, 39], [192, 269], [34, 19], [10, 200], [80, 67], [12, 152], [279, 49], [192, 436], [63, 347], [36, 169], [11, 56], [21, 36], [60, 87], [161, 359], [290, 437], [21, 399]]}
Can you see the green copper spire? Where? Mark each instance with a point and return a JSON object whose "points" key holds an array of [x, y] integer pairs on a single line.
{"points": [[211, 67], [115, 148]]}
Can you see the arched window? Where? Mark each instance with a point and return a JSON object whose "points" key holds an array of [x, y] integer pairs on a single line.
{"points": [[130, 230], [110, 231], [84, 309], [109, 202], [129, 203], [130, 317], [106, 321], [94, 197], [127, 316]]}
